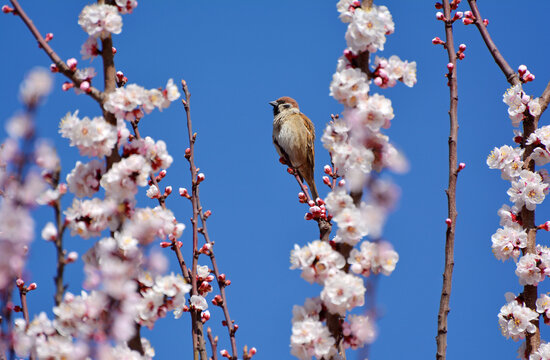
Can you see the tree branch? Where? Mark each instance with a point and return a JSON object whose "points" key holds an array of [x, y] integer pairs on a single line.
{"points": [[63, 68], [444, 304], [511, 76]]}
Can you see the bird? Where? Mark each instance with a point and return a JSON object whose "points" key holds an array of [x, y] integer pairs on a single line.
{"points": [[294, 138]]}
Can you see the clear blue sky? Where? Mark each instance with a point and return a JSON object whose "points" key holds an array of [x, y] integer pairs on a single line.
{"points": [[238, 56]]}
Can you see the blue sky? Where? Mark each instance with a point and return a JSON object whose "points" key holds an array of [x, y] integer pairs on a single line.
{"points": [[238, 56]]}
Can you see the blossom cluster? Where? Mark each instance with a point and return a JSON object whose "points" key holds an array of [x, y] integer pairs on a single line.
{"points": [[125, 286], [520, 104], [359, 150], [528, 188], [132, 101]]}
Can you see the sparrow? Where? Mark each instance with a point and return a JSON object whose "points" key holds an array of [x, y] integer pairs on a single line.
{"points": [[294, 137]]}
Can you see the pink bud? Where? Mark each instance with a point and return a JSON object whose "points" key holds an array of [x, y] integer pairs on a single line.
{"points": [[461, 166], [200, 178], [378, 81], [217, 300], [342, 183], [486, 22], [207, 214], [467, 21], [188, 152], [165, 244], [308, 216], [450, 66], [326, 180], [459, 15], [162, 174], [438, 5], [439, 16], [461, 56], [179, 244], [205, 316], [227, 282], [252, 351], [468, 14], [462, 47], [53, 68], [311, 203], [448, 222], [522, 69], [437, 41], [114, 50], [544, 226], [85, 86], [71, 63], [327, 169], [62, 188], [49, 36], [19, 282], [183, 192], [31, 287], [319, 201], [71, 257], [529, 77], [302, 197], [6, 9], [167, 190], [221, 278], [67, 85], [225, 353]]}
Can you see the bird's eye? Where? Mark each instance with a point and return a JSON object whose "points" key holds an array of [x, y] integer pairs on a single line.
{"points": [[286, 106]]}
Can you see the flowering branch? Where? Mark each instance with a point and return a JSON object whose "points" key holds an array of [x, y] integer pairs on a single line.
{"points": [[198, 334], [530, 115], [60, 252], [62, 67], [444, 308]]}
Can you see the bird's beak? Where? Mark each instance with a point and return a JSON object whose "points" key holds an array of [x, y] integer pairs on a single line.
{"points": [[273, 103]]}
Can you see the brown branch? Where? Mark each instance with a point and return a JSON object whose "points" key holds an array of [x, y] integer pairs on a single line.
{"points": [[530, 292], [63, 68], [511, 76], [530, 123], [25, 309], [444, 307], [213, 344], [543, 101], [221, 282], [198, 334], [60, 252]]}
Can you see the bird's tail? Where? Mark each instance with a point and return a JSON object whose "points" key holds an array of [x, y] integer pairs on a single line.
{"points": [[308, 176]]}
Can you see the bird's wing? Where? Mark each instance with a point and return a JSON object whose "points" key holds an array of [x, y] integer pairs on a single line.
{"points": [[310, 139]]}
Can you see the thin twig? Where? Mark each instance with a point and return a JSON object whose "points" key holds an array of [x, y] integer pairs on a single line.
{"points": [[511, 76], [25, 309], [444, 304], [63, 68], [198, 333], [213, 344], [60, 252]]}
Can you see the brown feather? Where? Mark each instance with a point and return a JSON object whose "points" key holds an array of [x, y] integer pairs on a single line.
{"points": [[294, 139]]}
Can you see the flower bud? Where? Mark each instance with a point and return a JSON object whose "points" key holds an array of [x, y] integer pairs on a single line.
{"points": [[31, 287], [71, 63]]}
